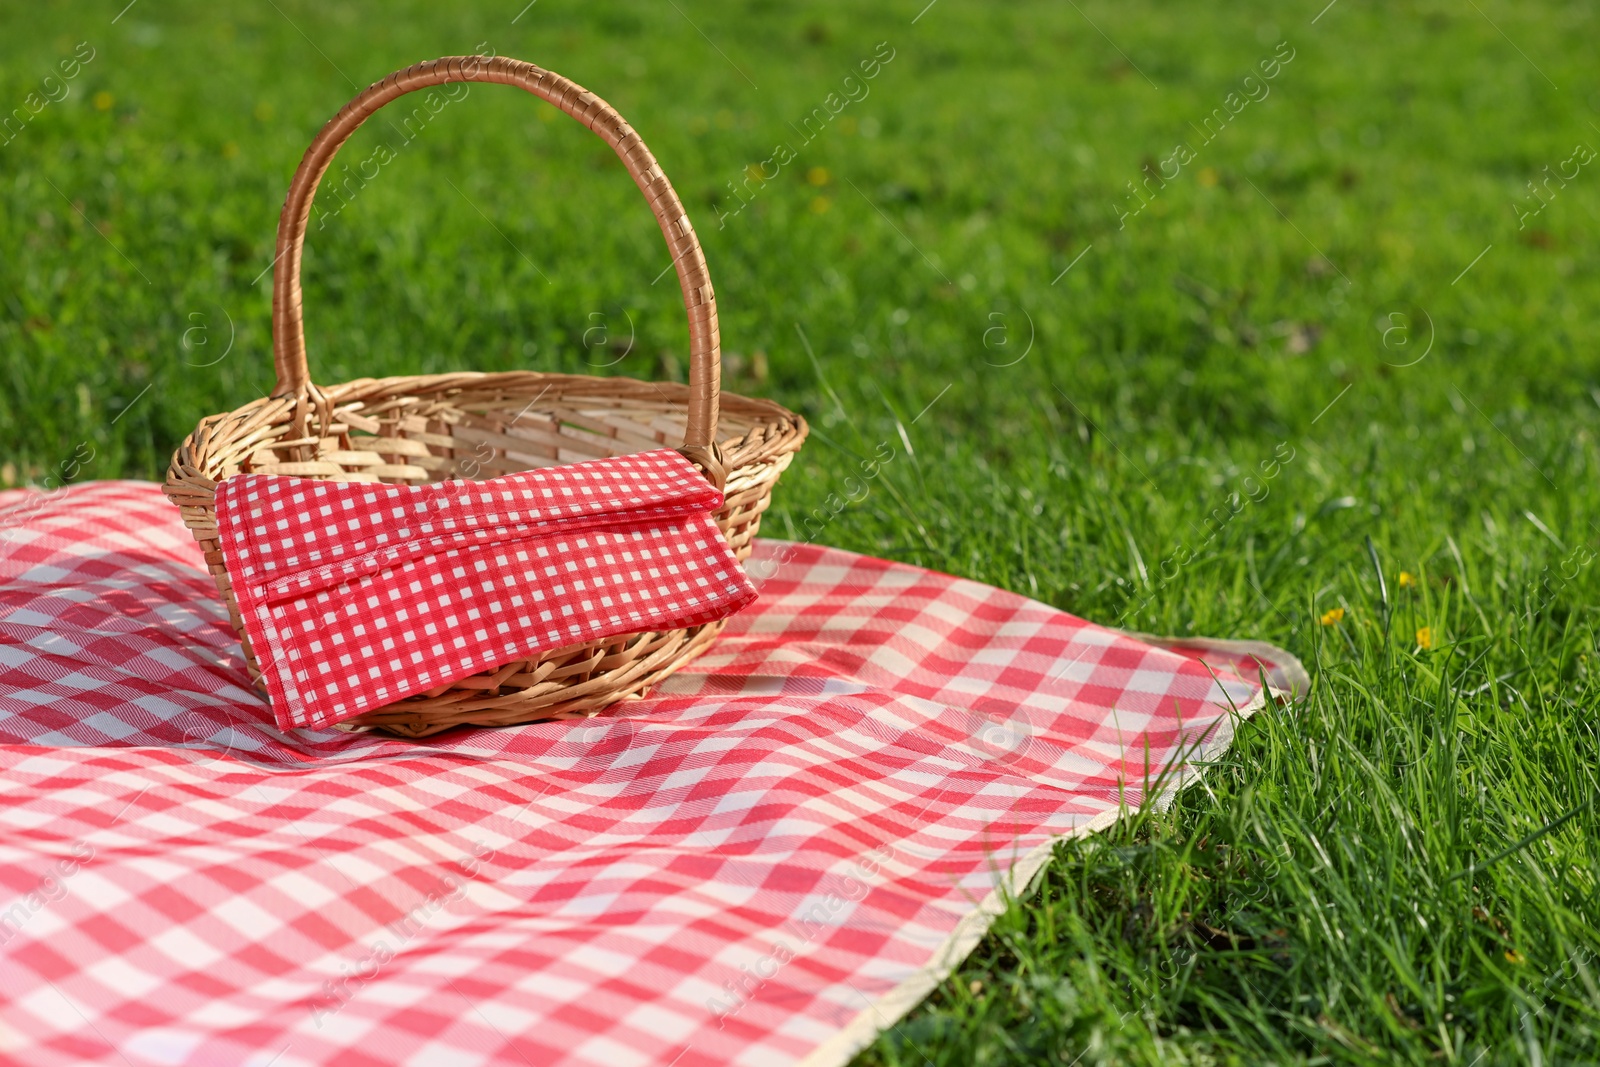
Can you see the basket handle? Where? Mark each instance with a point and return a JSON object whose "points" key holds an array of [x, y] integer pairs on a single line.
{"points": [[288, 332]]}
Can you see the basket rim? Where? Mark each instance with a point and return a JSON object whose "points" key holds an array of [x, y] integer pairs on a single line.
{"points": [[448, 379], [776, 429]]}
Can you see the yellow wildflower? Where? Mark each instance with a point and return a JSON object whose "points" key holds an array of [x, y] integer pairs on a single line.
{"points": [[1425, 637], [1407, 580], [1513, 956], [103, 101], [821, 204], [1207, 176], [1332, 616], [817, 176]]}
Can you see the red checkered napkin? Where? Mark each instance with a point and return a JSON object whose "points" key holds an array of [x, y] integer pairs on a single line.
{"points": [[355, 595]]}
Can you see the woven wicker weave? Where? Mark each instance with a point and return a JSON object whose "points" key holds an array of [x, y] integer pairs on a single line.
{"points": [[470, 425]]}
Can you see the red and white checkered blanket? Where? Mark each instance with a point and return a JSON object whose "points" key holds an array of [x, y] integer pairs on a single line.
{"points": [[766, 863]]}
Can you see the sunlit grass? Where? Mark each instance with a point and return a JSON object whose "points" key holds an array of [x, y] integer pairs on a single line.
{"points": [[1321, 354]]}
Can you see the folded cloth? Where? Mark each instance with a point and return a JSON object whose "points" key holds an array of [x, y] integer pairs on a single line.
{"points": [[355, 595], [768, 861]]}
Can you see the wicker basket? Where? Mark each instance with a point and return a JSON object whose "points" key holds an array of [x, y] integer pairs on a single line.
{"points": [[470, 425]]}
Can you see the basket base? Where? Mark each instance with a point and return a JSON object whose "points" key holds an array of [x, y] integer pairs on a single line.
{"points": [[617, 669]]}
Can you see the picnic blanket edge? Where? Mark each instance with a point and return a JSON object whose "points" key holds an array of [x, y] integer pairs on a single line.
{"points": [[1018, 883]]}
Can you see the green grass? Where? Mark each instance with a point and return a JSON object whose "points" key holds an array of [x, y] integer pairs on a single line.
{"points": [[1401, 868]]}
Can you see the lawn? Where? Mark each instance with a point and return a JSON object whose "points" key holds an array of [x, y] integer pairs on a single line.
{"points": [[1235, 319]]}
